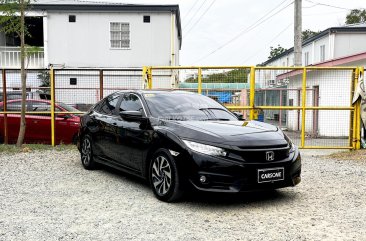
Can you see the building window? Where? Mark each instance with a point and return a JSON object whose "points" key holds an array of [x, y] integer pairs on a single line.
{"points": [[73, 81], [72, 18], [120, 35], [146, 19], [322, 53], [306, 57]]}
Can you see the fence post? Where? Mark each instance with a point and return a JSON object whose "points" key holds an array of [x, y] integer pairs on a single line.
{"points": [[52, 80], [252, 92], [101, 84], [303, 104], [149, 78], [199, 81], [5, 108]]}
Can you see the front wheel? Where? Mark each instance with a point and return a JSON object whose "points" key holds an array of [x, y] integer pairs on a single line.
{"points": [[87, 153], [164, 177]]}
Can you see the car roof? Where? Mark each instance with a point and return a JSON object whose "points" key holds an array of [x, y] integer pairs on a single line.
{"points": [[155, 91]]}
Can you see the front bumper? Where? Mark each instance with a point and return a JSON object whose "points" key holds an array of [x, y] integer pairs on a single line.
{"points": [[232, 176]]}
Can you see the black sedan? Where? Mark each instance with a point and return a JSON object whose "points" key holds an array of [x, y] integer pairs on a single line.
{"points": [[179, 140]]}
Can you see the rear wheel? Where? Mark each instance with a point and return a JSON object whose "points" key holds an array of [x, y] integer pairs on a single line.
{"points": [[87, 153], [164, 177]]}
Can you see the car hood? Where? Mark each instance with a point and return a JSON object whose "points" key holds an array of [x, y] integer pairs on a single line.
{"points": [[234, 133]]}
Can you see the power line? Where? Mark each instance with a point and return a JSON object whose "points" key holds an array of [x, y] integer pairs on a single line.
{"points": [[199, 19], [327, 5], [257, 52], [263, 19], [195, 13], [189, 11]]}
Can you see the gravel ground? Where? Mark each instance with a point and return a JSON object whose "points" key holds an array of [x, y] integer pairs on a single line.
{"points": [[47, 195]]}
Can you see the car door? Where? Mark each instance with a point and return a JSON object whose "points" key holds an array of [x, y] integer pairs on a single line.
{"points": [[104, 126], [40, 123], [14, 122], [133, 135]]}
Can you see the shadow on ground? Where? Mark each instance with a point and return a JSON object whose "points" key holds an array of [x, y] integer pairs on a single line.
{"points": [[193, 197]]}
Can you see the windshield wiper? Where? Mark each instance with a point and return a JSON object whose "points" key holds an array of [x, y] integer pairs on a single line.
{"points": [[219, 119], [211, 108]]}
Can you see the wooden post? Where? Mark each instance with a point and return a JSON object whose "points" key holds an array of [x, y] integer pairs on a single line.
{"points": [[6, 136]]}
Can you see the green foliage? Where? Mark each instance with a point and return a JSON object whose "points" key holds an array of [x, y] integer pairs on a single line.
{"points": [[276, 51], [308, 34], [10, 21], [356, 16], [232, 76], [44, 76]]}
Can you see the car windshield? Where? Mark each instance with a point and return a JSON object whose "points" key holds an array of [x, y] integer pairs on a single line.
{"points": [[67, 107], [186, 106]]}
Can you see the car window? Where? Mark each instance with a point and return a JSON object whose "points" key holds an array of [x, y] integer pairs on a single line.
{"points": [[109, 104], [14, 106], [186, 106], [40, 106], [131, 102]]}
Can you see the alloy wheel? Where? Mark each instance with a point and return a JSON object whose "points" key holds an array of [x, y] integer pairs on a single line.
{"points": [[161, 175], [86, 152]]}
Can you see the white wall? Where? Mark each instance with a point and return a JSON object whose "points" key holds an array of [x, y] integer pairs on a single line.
{"points": [[349, 43], [334, 90], [86, 43]]}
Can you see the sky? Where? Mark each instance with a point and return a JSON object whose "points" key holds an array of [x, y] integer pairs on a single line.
{"points": [[241, 32]]}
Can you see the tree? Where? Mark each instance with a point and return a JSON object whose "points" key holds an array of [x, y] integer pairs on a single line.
{"points": [[308, 34], [12, 20], [356, 16], [276, 51], [232, 76]]}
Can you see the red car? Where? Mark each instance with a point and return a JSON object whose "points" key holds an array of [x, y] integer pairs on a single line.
{"points": [[38, 129]]}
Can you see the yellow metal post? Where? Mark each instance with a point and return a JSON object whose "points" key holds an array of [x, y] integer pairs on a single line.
{"points": [[199, 81], [303, 104], [52, 80], [149, 78], [252, 94], [144, 77], [355, 112]]}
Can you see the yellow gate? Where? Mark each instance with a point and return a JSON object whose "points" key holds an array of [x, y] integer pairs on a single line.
{"points": [[312, 105]]}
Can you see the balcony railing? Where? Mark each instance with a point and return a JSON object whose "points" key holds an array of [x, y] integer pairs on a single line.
{"points": [[10, 58]]}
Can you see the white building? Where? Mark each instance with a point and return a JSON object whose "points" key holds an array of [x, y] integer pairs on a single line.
{"points": [[98, 35], [337, 46], [76, 35]]}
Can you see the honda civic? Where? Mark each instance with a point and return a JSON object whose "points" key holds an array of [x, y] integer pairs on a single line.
{"points": [[180, 140]]}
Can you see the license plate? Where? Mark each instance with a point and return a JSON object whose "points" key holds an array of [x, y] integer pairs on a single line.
{"points": [[271, 174]]}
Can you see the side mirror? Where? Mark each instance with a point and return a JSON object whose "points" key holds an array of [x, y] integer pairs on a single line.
{"points": [[131, 115], [239, 115]]}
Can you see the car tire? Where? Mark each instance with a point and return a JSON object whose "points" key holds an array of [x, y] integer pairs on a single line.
{"points": [[86, 153], [164, 177]]}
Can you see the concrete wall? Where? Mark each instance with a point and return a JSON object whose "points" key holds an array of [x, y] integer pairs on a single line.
{"points": [[86, 42]]}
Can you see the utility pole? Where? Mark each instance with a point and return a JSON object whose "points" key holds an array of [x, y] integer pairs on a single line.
{"points": [[297, 33]]}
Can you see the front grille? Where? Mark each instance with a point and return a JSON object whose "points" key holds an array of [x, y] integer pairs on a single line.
{"points": [[261, 155]]}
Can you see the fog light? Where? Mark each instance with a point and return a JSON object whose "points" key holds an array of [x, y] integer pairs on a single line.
{"points": [[203, 179], [296, 180]]}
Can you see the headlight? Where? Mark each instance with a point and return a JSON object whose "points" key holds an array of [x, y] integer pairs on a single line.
{"points": [[291, 144], [205, 149]]}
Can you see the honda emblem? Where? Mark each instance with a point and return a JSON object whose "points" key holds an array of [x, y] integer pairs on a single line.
{"points": [[270, 156]]}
